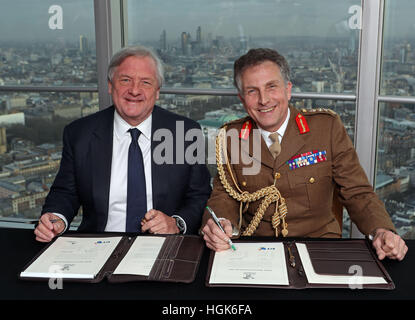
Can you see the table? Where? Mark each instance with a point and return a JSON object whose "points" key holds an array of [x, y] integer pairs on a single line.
{"points": [[19, 246]]}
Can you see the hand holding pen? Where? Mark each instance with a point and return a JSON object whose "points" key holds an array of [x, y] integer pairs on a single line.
{"points": [[49, 226], [216, 233]]}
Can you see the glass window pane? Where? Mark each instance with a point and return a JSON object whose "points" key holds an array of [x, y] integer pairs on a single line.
{"points": [[345, 109], [47, 43], [395, 165], [398, 69], [31, 127], [199, 40]]}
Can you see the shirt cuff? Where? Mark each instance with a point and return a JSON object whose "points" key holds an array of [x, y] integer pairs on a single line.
{"points": [[61, 216]]}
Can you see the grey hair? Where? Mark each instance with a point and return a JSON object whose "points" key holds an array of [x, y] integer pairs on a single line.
{"points": [[138, 51], [255, 57]]}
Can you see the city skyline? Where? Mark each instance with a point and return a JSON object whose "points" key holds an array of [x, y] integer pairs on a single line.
{"points": [[30, 155], [228, 18]]}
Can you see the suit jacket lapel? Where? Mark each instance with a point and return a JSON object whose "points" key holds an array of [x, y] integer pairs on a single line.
{"points": [[101, 154], [157, 171]]}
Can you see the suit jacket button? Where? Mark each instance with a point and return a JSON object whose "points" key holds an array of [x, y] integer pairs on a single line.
{"points": [[277, 175], [312, 180]]}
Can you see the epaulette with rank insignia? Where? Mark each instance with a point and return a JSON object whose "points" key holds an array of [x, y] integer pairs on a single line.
{"points": [[240, 120], [302, 122], [246, 126], [318, 111]]}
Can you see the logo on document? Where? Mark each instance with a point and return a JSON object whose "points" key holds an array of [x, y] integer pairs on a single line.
{"points": [[265, 249], [249, 275]]}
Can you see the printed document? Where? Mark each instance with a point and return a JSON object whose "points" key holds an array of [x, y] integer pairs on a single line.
{"points": [[312, 277], [141, 256], [251, 263], [73, 257]]}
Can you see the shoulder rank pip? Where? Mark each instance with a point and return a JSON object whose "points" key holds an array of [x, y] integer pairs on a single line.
{"points": [[302, 123], [245, 130]]}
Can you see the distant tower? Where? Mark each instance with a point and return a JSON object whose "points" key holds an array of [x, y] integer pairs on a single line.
{"points": [[199, 34], [3, 140], [353, 42], [185, 43], [338, 71], [405, 52], [243, 44], [163, 41], [83, 44]]}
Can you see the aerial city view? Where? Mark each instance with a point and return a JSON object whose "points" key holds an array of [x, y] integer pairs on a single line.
{"points": [[31, 123]]}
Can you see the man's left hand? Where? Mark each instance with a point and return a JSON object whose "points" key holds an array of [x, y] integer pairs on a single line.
{"points": [[389, 244], [158, 222]]}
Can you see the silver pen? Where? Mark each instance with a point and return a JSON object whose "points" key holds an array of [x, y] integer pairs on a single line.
{"points": [[215, 218]]}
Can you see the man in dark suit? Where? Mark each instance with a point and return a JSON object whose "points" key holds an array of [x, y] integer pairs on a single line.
{"points": [[97, 160]]}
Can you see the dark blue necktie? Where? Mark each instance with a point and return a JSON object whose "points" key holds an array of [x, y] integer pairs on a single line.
{"points": [[136, 185]]}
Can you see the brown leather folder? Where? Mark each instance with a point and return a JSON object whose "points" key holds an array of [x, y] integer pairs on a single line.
{"points": [[328, 257], [177, 261]]}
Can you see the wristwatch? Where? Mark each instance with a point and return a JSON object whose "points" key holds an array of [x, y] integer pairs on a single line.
{"points": [[181, 225]]}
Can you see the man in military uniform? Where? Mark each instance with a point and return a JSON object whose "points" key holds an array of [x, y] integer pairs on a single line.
{"points": [[304, 156]]}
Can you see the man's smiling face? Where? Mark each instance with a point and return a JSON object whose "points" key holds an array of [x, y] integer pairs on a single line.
{"points": [[134, 89], [265, 95]]}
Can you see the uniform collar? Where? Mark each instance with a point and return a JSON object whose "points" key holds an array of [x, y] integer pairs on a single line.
{"points": [[281, 131]]}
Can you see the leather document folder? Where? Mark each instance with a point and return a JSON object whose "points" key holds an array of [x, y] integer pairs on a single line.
{"points": [[300, 264], [176, 259]]}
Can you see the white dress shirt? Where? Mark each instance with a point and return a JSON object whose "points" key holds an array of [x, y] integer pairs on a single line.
{"points": [[265, 134], [119, 170]]}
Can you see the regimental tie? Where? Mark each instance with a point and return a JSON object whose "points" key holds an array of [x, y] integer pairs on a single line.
{"points": [[136, 185], [275, 147]]}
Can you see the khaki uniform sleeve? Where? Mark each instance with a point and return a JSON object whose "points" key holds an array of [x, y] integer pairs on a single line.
{"points": [[220, 201], [222, 204], [365, 209]]}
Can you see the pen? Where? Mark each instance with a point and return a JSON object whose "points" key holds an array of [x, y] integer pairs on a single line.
{"points": [[215, 218], [292, 258]]}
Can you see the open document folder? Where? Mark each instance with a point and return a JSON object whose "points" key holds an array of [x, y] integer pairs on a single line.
{"points": [[90, 258], [303, 264]]}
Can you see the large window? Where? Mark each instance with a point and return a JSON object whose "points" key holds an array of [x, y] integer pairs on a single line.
{"points": [[398, 61], [47, 79], [395, 171], [199, 40], [395, 165], [47, 43]]}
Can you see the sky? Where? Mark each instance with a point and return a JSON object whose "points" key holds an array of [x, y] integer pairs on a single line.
{"points": [[26, 20], [29, 19]]}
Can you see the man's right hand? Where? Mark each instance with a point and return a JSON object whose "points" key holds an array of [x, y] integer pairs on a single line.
{"points": [[49, 227], [214, 237]]}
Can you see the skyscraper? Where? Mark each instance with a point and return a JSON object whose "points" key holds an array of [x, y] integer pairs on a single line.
{"points": [[3, 140], [83, 44], [163, 41], [185, 43], [199, 34]]}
